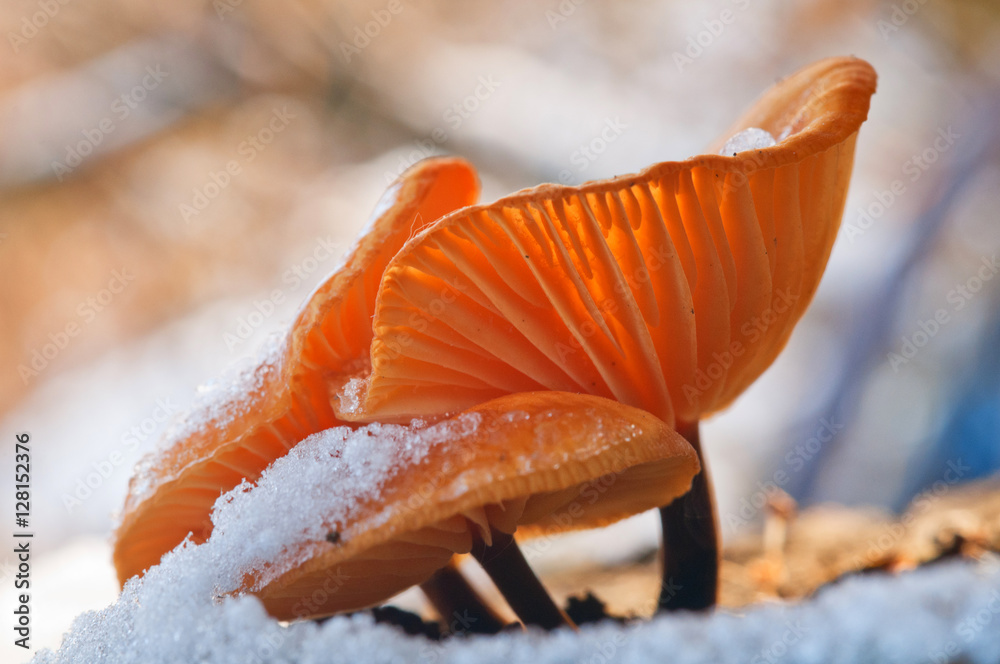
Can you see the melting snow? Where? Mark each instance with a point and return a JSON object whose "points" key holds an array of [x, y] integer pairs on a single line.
{"points": [[748, 139]]}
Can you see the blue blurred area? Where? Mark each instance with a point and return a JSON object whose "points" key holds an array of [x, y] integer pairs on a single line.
{"points": [[970, 435], [965, 419]]}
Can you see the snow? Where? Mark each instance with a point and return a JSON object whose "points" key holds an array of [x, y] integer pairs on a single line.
{"points": [[322, 484], [181, 612], [748, 139], [351, 395], [949, 609]]}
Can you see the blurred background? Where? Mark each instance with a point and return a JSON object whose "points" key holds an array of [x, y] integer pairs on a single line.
{"points": [[176, 177]]}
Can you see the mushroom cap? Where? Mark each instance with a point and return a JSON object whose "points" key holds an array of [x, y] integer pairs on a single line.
{"points": [[670, 290], [527, 459], [245, 426]]}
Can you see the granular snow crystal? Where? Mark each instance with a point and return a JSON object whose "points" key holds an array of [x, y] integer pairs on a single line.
{"points": [[748, 139]]}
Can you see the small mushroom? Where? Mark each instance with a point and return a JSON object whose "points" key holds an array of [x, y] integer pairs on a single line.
{"points": [[670, 290], [518, 461], [237, 434]]}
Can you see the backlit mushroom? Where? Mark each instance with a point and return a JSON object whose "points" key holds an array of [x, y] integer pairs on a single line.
{"points": [[670, 290]]}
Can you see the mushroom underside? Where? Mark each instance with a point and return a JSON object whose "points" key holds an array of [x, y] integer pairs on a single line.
{"points": [[534, 463]]}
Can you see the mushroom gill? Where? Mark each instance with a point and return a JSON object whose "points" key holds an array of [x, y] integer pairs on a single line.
{"points": [[637, 288]]}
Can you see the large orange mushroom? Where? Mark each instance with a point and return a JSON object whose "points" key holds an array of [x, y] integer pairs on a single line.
{"points": [[670, 290]]}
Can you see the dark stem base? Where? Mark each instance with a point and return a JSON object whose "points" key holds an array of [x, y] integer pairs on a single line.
{"points": [[514, 578], [690, 578], [459, 605]]}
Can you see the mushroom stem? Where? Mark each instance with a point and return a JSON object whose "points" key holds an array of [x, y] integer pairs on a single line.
{"points": [[515, 579], [690, 542], [459, 604]]}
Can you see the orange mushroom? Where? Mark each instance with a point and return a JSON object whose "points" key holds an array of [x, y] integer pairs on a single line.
{"points": [[285, 399], [465, 484], [640, 289], [670, 290]]}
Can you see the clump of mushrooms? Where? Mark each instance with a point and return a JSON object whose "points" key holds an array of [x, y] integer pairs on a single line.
{"points": [[668, 292]]}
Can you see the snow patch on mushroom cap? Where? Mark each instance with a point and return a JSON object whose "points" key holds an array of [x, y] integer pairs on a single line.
{"points": [[389, 502], [748, 139], [401, 500], [323, 483]]}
